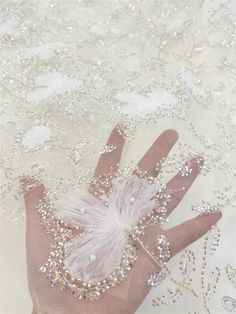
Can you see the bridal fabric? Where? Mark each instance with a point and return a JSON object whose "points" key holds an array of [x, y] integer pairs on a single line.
{"points": [[72, 70]]}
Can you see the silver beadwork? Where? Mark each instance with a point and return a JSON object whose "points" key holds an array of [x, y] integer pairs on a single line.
{"points": [[163, 255], [155, 279], [163, 249]]}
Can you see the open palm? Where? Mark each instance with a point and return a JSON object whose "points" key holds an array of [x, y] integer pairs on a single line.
{"points": [[47, 299]]}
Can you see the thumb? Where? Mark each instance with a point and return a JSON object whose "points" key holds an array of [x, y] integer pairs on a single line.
{"points": [[37, 240]]}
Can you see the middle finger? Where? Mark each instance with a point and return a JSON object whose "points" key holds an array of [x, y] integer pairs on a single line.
{"points": [[159, 150], [179, 185]]}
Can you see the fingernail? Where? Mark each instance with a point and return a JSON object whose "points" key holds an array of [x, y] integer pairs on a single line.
{"points": [[197, 160], [217, 213], [24, 179]]}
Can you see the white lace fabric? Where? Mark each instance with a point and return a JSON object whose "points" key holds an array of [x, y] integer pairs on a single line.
{"points": [[70, 71]]}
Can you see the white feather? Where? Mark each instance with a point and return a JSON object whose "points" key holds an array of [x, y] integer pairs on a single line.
{"points": [[107, 226]]}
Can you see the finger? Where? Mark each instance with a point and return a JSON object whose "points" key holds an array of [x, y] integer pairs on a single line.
{"points": [[179, 184], [159, 149], [188, 232], [182, 235], [37, 241], [108, 161], [179, 237]]}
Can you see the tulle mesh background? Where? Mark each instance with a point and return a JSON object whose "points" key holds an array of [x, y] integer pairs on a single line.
{"points": [[71, 70]]}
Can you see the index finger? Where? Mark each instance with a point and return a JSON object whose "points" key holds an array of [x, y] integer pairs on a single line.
{"points": [[108, 163]]}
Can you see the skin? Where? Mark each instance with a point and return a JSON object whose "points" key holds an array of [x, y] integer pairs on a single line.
{"points": [[128, 296]]}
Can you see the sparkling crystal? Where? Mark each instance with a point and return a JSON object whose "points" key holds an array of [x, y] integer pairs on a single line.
{"points": [[229, 303], [163, 249], [186, 170], [155, 279]]}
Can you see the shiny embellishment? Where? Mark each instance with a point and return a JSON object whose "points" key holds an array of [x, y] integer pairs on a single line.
{"points": [[229, 303], [202, 85], [132, 200], [163, 249], [82, 210], [92, 257], [163, 255], [186, 170], [101, 232], [231, 274], [155, 279]]}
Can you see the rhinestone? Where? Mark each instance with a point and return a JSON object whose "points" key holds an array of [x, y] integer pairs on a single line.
{"points": [[155, 279], [185, 171]]}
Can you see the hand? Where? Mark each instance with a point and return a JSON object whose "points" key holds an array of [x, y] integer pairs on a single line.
{"points": [[47, 299]]}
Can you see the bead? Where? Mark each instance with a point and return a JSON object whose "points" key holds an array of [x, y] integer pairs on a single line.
{"points": [[82, 210], [132, 200], [92, 257]]}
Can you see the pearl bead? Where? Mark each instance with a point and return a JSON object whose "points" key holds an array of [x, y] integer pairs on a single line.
{"points": [[132, 200], [92, 257], [82, 210]]}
